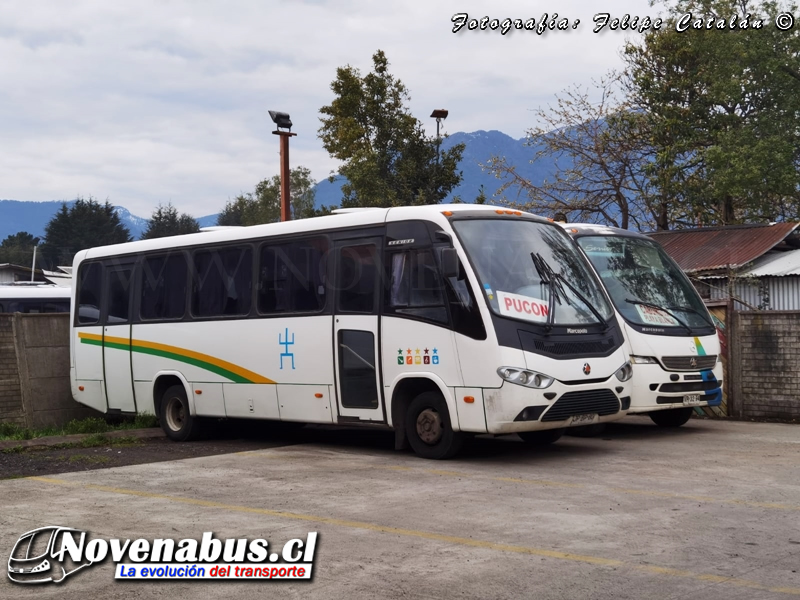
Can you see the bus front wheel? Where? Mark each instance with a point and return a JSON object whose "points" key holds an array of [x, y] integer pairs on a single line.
{"points": [[674, 417], [541, 438], [176, 419], [428, 426]]}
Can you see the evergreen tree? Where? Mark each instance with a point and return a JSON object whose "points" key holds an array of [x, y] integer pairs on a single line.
{"points": [[85, 224], [17, 249], [166, 221]]}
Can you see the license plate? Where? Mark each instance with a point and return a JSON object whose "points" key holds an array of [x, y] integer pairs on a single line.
{"points": [[691, 400], [584, 419]]}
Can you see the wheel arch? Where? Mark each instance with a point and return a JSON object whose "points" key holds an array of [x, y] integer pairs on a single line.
{"points": [[407, 387], [165, 380]]}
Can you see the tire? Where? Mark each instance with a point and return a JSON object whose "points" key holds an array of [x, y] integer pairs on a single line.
{"points": [[176, 419], [674, 417], [428, 427], [541, 438]]}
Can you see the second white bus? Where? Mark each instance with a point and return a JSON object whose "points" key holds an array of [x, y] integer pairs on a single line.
{"points": [[674, 347]]}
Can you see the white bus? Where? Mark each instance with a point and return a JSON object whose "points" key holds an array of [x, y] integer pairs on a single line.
{"points": [[673, 342], [42, 298], [435, 321]]}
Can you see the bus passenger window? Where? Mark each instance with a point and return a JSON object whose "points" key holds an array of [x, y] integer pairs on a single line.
{"points": [[89, 293], [164, 280], [291, 277], [119, 296], [358, 274], [223, 282]]}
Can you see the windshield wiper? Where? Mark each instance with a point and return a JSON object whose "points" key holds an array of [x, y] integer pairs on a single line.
{"points": [[544, 269], [662, 309], [547, 276], [695, 311]]}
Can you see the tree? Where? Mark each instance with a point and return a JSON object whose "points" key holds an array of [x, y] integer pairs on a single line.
{"points": [[600, 157], [85, 224], [166, 221], [387, 158], [17, 249], [721, 108], [264, 204]]}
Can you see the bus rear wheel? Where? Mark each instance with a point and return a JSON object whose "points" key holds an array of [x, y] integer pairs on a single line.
{"points": [[674, 417], [176, 418], [541, 438], [428, 426]]}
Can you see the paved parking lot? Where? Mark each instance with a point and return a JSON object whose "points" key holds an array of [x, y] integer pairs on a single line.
{"points": [[711, 510]]}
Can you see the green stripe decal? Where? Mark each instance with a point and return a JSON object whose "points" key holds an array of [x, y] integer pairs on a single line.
{"points": [[191, 361], [223, 368], [700, 350]]}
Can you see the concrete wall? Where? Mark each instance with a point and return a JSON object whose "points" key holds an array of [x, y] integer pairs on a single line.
{"points": [[765, 372], [10, 392], [39, 395]]}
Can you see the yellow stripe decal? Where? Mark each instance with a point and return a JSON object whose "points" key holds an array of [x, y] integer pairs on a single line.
{"points": [[204, 361]]}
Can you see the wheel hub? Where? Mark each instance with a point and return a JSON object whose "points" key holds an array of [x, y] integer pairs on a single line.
{"points": [[175, 414], [429, 426]]}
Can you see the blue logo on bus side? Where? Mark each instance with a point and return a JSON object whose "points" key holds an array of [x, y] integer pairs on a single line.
{"points": [[285, 342]]}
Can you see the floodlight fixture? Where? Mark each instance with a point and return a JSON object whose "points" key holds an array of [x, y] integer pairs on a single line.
{"points": [[281, 119]]}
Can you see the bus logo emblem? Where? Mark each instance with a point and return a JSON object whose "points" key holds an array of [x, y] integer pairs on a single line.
{"points": [[693, 362], [586, 368]]}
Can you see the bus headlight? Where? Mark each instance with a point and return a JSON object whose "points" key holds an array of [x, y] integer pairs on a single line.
{"points": [[625, 372], [524, 377], [643, 360]]}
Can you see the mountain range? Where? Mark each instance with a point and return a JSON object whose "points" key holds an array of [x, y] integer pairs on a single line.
{"points": [[20, 215]]}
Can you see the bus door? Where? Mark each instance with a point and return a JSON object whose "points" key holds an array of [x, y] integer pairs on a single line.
{"points": [[117, 338], [355, 330]]}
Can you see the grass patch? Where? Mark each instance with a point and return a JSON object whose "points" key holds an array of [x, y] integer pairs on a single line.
{"points": [[86, 459], [91, 441], [94, 425]]}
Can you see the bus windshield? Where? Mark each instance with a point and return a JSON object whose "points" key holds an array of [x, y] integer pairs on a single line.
{"points": [[520, 263], [644, 283]]}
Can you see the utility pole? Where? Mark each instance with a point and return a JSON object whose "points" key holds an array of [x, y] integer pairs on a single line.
{"points": [[282, 120]]}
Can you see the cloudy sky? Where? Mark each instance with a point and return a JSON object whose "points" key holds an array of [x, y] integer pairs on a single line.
{"points": [[166, 101]]}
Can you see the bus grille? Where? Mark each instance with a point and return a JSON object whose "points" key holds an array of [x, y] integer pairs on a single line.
{"points": [[602, 402], [684, 363], [691, 386], [581, 348]]}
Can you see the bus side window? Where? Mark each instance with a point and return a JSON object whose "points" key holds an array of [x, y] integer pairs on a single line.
{"points": [[291, 277], [415, 288], [55, 307], [223, 282], [90, 281], [164, 280]]}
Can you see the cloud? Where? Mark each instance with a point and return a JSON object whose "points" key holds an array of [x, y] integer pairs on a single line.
{"points": [[160, 101]]}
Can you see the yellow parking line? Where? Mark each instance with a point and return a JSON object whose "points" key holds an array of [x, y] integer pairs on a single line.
{"points": [[450, 539], [657, 494]]}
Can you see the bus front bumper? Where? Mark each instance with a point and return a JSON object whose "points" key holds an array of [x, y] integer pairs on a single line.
{"points": [[514, 408], [654, 389]]}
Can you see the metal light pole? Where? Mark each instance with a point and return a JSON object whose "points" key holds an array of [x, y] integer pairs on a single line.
{"points": [[440, 115], [282, 120], [33, 266]]}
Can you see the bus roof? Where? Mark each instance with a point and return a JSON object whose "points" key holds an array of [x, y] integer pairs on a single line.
{"points": [[343, 219], [34, 291], [577, 230]]}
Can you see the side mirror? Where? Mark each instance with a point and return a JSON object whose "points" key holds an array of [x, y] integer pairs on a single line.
{"points": [[451, 266]]}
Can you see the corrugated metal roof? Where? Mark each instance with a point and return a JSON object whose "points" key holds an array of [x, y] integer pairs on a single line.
{"points": [[709, 248], [777, 264]]}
